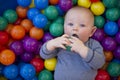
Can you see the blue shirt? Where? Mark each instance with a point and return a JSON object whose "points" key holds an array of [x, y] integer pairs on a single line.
{"points": [[71, 66]]}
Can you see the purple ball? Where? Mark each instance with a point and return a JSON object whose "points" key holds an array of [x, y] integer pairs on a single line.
{"points": [[30, 44], [116, 53], [47, 36], [65, 5], [17, 47], [117, 37], [40, 43], [98, 35], [119, 23], [26, 57], [109, 44]]}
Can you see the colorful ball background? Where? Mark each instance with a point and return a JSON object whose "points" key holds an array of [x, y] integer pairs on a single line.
{"points": [[25, 25]]}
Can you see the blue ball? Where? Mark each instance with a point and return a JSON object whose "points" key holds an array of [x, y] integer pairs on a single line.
{"points": [[1, 69], [41, 4], [60, 11], [40, 21], [10, 71], [24, 3], [27, 71], [32, 12], [111, 28]]}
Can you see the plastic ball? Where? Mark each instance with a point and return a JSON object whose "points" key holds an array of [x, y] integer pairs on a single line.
{"points": [[11, 71], [24, 3], [30, 44], [18, 21], [38, 64], [26, 57], [17, 32], [97, 8], [56, 29], [45, 75], [7, 57], [99, 21], [60, 11], [117, 37], [108, 55], [84, 3], [4, 38], [40, 43], [27, 71], [9, 28], [47, 36], [36, 33], [118, 22], [27, 24], [1, 69], [99, 35], [109, 44], [94, 1], [110, 3], [116, 52], [65, 5], [50, 64], [59, 20], [102, 75], [111, 28], [3, 23], [22, 11], [40, 21], [74, 2], [53, 2], [46, 28], [17, 47], [3, 78], [112, 14], [51, 10], [32, 4], [32, 12], [10, 15], [113, 69], [41, 4], [116, 60]]}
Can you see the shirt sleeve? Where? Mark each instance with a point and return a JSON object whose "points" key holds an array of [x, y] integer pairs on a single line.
{"points": [[95, 58], [45, 54]]}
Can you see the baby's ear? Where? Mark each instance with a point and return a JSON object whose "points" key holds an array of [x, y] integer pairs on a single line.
{"points": [[93, 30]]}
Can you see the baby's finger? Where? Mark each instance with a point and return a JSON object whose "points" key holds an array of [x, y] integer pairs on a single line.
{"points": [[65, 35], [62, 46]]}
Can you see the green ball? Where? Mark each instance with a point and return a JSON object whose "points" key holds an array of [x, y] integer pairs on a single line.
{"points": [[113, 69], [112, 14], [118, 5], [99, 21], [51, 12], [46, 28], [3, 23], [74, 2], [110, 3], [56, 29], [45, 75], [10, 15], [59, 20]]}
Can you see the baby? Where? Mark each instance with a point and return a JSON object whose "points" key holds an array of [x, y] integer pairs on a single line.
{"points": [[85, 56]]}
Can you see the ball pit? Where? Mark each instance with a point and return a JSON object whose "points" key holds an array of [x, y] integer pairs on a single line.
{"points": [[26, 24]]}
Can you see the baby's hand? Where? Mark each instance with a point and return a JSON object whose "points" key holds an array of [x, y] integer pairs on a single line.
{"points": [[58, 42]]}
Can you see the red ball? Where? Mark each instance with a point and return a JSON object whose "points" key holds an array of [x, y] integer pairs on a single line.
{"points": [[4, 38], [94, 0], [102, 75], [38, 64]]}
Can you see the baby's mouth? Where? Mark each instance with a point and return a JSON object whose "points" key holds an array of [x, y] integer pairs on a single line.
{"points": [[75, 35]]}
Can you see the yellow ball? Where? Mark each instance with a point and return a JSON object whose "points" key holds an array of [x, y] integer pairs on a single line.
{"points": [[50, 64], [97, 8], [84, 3], [32, 4]]}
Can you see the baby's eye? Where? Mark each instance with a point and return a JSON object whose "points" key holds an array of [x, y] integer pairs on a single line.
{"points": [[70, 24], [82, 25]]}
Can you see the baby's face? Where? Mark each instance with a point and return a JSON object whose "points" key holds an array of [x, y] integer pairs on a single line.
{"points": [[79, 23]]}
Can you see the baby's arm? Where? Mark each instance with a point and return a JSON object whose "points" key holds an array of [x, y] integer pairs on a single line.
{"points": [[49, 49], [92, 54]]}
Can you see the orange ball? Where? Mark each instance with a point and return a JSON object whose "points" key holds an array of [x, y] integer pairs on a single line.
{"points": [[27, 24], [7, 57], [9, 28], [53, 2], [36, 33], [22, 11], [108, 55], [17, 32]]}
